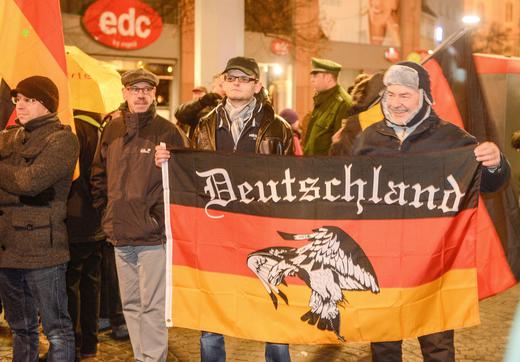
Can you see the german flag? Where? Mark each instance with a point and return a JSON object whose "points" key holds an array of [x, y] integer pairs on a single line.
{"points": [[459, 98], [31, 43], [318, 250]]}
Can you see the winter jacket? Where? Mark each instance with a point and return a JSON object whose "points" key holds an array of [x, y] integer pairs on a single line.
{"points": [[36, 166], [273, 135], [364, 95], [330, 107], [432, 134], [126, 185], [189, 114]]}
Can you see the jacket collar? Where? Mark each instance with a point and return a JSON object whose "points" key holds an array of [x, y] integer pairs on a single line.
{"points": [[322, 97], [39, 122], [429, 122], [137, 120]]}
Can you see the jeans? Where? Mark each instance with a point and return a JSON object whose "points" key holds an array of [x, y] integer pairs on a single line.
{"points": [[212, 349], [83, 279], [24, 293]]}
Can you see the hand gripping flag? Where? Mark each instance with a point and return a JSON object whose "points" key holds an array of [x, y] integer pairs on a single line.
{"points": [[459, 98], [321, 250]]}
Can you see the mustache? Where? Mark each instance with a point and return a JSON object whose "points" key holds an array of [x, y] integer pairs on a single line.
{"points": [[399, 109]]}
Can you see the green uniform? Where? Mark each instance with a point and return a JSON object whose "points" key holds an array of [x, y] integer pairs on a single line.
{"points": [[330, 107]]}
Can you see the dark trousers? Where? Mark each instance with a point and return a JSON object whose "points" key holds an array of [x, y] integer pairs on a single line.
{"points": [[436, 347], [111, 307], [27, 292], [83, 286]]}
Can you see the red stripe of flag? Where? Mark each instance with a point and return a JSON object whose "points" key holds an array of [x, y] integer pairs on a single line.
{"points": [[224, 244]]}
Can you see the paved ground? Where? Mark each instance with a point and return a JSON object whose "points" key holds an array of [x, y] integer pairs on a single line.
{"points": [[483, 343]]}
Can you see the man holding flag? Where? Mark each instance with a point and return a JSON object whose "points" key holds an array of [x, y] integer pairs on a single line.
{"points": [[127, 191], [411, 126], [243, 122]]}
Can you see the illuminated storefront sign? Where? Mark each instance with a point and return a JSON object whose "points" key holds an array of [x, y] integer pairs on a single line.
{"points": [[122, 24]]}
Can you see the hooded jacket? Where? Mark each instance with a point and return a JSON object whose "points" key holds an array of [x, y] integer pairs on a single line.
{"points": [[36, 164], [126, 186]]}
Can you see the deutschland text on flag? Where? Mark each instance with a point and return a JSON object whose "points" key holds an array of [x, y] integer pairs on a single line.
{"points": [[318, 250]]}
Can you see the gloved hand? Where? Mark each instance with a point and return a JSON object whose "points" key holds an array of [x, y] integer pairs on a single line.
{"points": [[42, 199], [210, 99]]}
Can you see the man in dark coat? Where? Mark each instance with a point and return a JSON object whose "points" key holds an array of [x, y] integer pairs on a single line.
{"points": [[411, 126], [37, 159], [127, 191], [243, 122]]}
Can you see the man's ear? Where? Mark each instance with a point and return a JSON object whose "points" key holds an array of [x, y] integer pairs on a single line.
{"points": [[258, 87]]}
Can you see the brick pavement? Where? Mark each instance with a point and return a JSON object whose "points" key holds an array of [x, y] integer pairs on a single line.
{"points": [[482, 343]]}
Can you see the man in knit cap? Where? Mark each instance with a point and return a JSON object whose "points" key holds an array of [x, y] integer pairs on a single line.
{"points": [[411, 126], [37, 159]]}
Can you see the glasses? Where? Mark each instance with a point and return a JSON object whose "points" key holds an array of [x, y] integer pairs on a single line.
{"points": [[241, 79], [136, 90], [19, 99]]}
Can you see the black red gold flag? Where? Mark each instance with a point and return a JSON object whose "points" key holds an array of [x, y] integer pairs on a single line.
{"points": [[31, 43], [460, 99], [318, 250]]}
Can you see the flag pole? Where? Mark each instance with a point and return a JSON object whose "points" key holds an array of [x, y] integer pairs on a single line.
{"points": [[169, 243]]}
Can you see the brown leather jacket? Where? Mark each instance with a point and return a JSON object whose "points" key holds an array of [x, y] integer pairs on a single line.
{"points": [[274, 134]]}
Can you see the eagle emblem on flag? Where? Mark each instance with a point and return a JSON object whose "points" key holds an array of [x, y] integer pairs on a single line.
{"points": [[332, 262]]}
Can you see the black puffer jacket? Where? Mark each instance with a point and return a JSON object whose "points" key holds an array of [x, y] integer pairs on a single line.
{"points": [[433, 134], [126, 185]]}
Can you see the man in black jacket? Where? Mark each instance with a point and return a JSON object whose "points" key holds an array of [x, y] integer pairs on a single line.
{"points": [[127, 191], [243, 122], [411, 126], [189, 114]]}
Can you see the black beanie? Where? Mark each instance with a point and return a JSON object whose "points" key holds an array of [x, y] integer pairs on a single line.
{"points": [[40, 88]]}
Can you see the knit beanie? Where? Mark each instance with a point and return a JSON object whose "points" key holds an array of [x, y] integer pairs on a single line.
{"points": [[289, 115], [40, 88]]}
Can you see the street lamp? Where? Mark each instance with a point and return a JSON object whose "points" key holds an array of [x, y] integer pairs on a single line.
{"points": [[471, 19]]}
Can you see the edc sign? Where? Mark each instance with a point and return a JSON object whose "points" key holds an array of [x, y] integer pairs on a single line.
{"points": [[122, 24]]}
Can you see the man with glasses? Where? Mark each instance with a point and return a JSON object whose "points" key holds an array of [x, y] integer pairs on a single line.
{"points": [[331, 105], [127, 192], [243, 122], [37, 159]]}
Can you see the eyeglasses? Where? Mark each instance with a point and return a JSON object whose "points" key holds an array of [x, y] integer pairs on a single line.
{"points": [[136, 90], [19, 99], [241, 79]]}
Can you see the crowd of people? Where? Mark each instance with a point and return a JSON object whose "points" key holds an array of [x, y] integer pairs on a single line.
{"points": [[70, 248]]}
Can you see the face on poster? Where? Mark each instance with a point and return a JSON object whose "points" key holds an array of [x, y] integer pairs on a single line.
{"points": [[373, 22]]}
